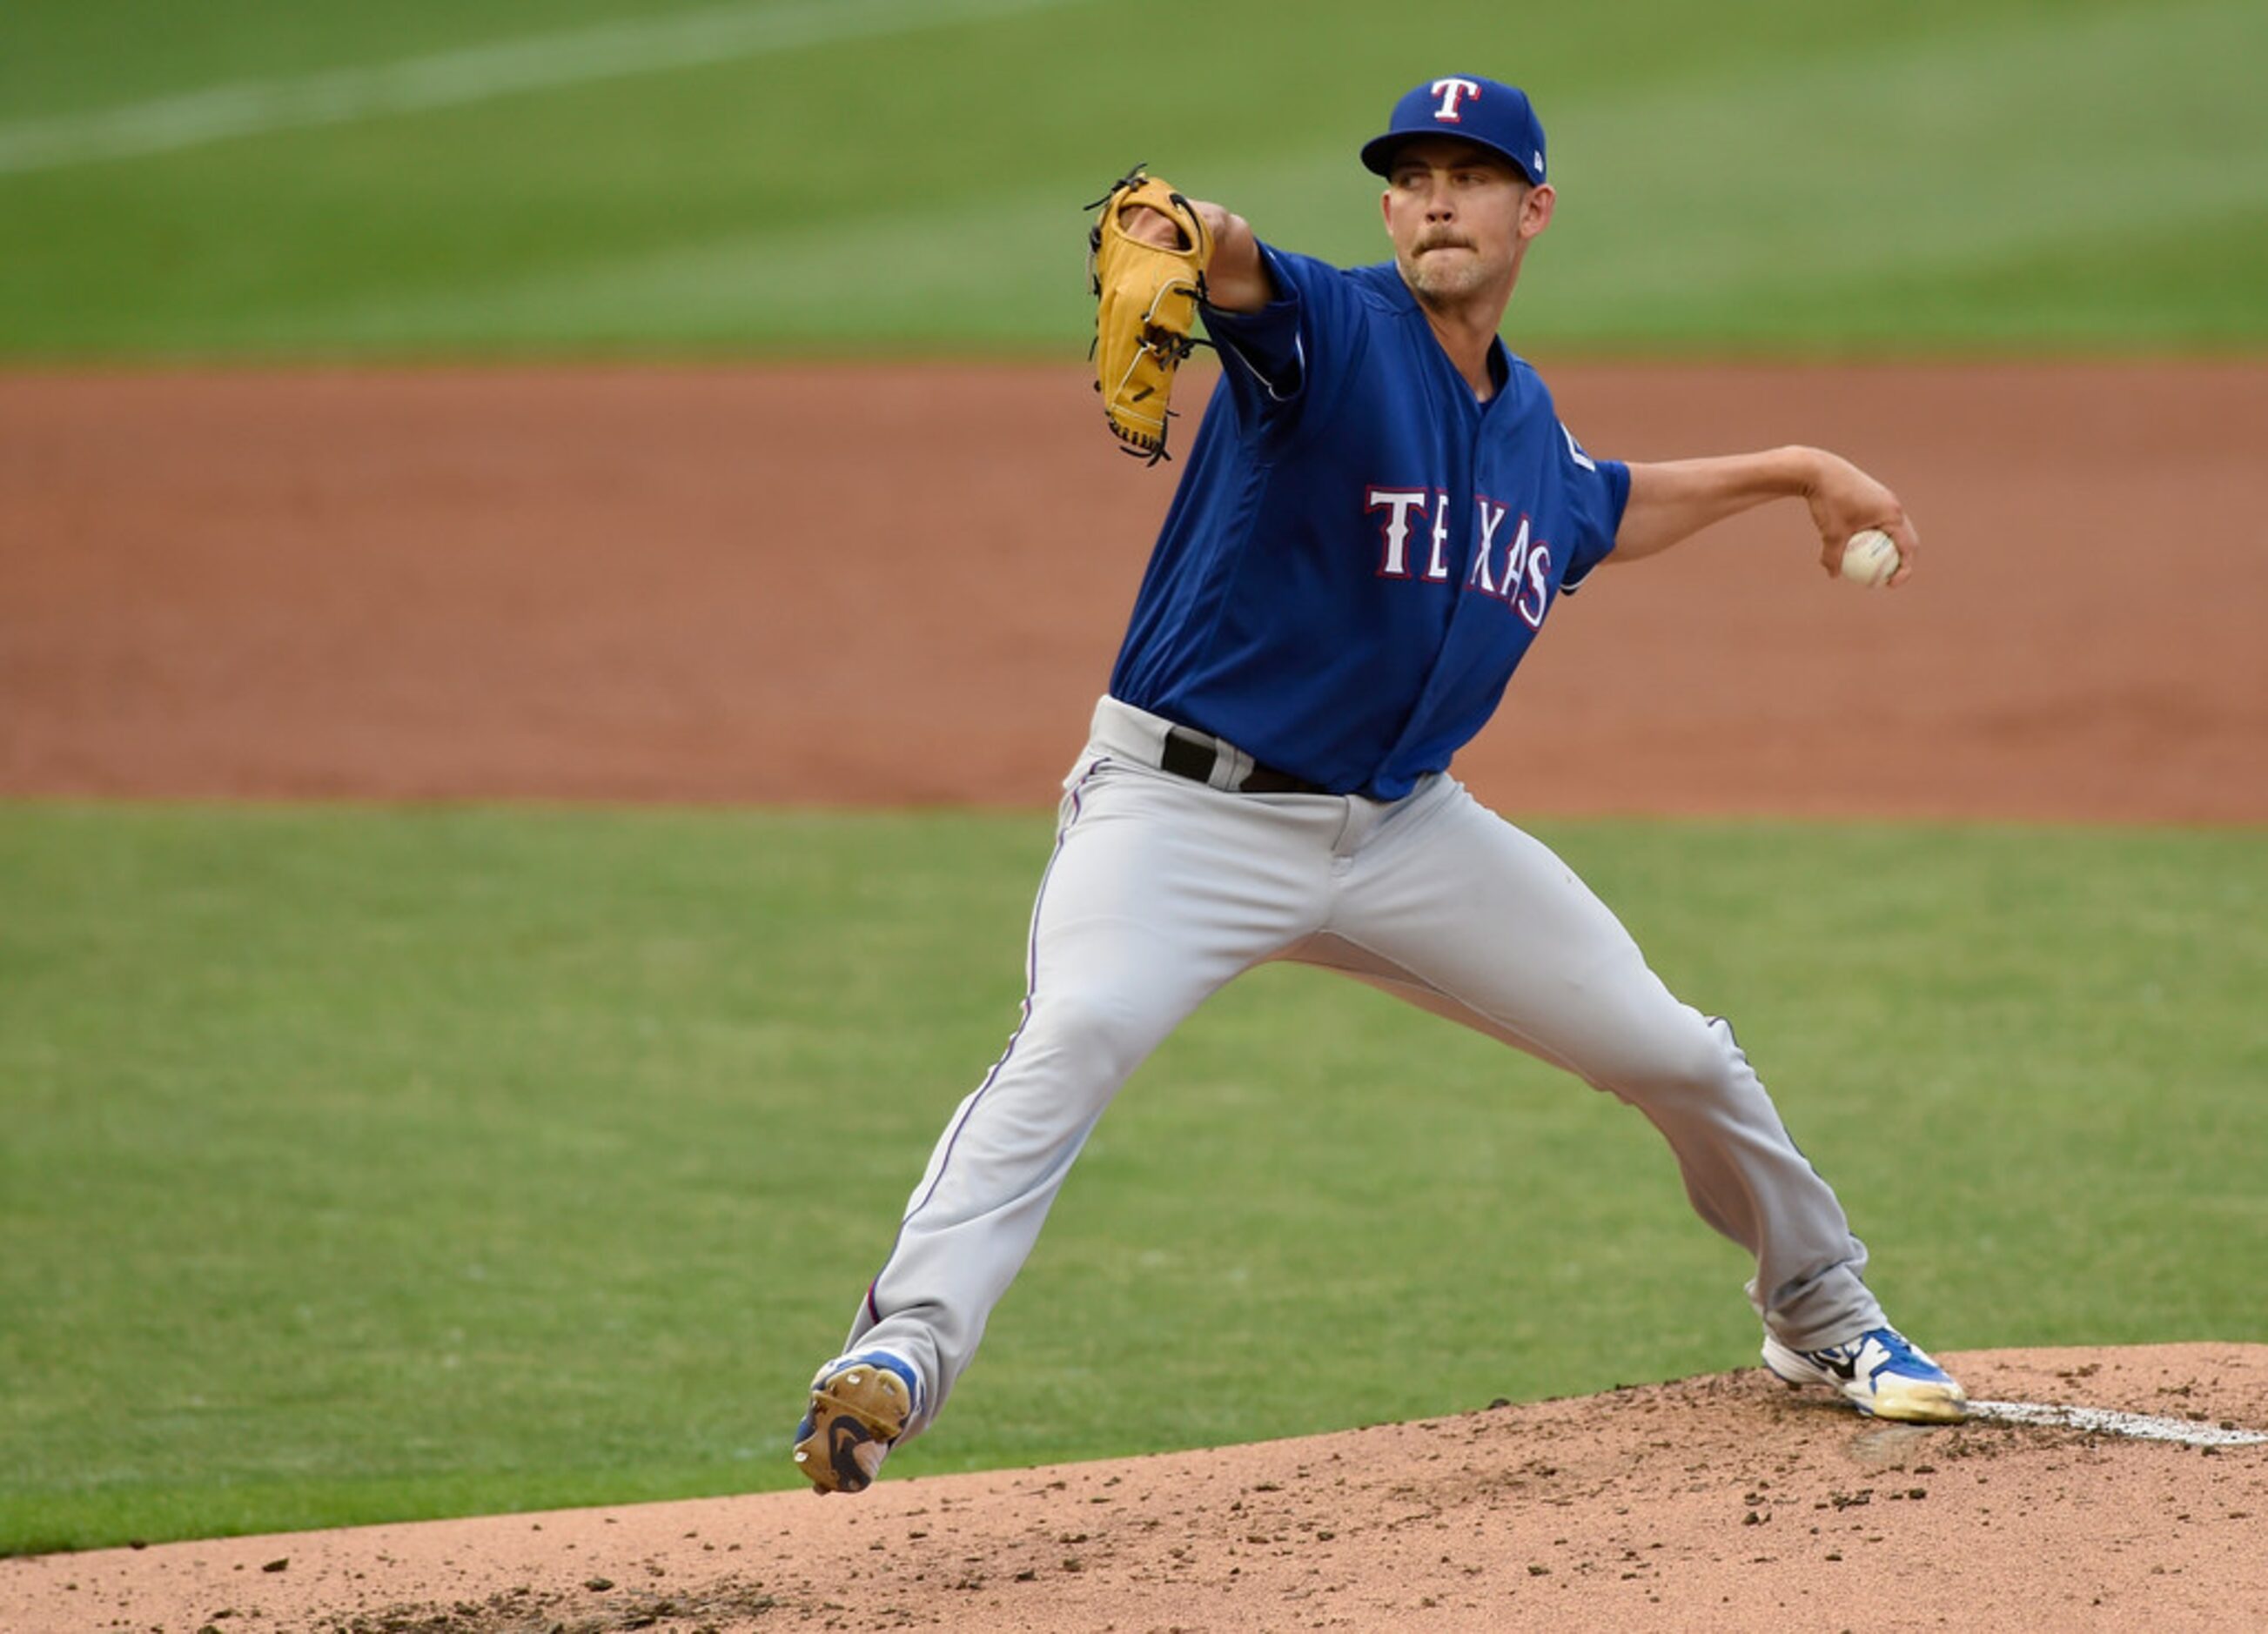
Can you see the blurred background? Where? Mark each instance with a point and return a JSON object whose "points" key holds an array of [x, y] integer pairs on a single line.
{"points": [[599, 177]]}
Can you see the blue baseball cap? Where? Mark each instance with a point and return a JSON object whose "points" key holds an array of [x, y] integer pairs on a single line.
{"points": [[1486, 113]]}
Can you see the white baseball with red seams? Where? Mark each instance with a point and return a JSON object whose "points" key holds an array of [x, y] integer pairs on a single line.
{"points": [[1869, 557]]}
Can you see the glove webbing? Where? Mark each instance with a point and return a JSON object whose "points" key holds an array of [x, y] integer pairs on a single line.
{"points": [[1170, 349]]}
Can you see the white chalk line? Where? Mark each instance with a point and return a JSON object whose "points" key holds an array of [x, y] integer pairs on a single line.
{"points": [[2139, 1426], [477, 74]]}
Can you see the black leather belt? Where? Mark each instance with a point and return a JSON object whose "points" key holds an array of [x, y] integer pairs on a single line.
{"points": [[1193, 756]]}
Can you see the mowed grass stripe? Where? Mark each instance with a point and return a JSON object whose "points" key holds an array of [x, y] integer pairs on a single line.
{"points": [[1748, 179], [478, 74], [1712, 205], [1786, 203], [364, 1163]]}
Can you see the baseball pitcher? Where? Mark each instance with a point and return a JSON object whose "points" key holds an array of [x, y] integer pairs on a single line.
{"points": [[1378, 510]]}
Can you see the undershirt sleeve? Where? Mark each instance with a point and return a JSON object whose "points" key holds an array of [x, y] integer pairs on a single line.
{"points": [[1265, 354]]}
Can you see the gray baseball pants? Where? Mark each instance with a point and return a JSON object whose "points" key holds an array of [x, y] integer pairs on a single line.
{"points": [[1162, 890]]}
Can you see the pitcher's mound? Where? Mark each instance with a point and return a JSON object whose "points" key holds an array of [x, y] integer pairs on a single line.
{"points": [[1725, 1502]]}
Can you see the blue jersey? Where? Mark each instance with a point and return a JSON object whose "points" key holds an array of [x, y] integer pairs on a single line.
{"points": [[1360, 551]]}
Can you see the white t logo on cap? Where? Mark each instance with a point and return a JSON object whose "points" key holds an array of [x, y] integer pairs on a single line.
{"points": [[1452, 91]]}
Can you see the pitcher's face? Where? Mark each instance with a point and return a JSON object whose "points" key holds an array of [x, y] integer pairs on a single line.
{"points": [[1461, 219]]}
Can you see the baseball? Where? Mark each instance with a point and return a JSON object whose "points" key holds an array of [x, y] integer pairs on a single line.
{"points": [[1869, 557]]}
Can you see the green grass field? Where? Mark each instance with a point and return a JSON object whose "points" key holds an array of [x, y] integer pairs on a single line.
{"points": [[367, 1163], [602, 177]]}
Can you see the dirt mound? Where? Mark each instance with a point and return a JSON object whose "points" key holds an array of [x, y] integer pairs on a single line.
{"points": [[1725, 1502]]}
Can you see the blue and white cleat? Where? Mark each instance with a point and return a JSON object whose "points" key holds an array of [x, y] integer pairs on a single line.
{"points": [[860, 1405], [1884, 1373]]}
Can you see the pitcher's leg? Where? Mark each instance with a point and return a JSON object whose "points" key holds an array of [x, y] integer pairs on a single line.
{"points": [[1482, 922], [1158, 893]]}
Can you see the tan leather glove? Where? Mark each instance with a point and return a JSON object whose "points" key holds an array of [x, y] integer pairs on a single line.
{"points": [[1146, 304]]}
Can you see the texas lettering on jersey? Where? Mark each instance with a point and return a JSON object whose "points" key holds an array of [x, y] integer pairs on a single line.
{"points": [[1362, 550], [1519, 573]]}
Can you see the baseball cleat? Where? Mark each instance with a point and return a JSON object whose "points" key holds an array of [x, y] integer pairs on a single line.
{"points": [[1883, 1371], [859, 1405]]}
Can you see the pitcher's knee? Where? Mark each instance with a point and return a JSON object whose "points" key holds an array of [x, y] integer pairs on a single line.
{"points": [[1683, 1057], [1101, 1027]]}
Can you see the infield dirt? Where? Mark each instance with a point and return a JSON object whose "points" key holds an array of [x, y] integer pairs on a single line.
{"points": [[854, 584]]}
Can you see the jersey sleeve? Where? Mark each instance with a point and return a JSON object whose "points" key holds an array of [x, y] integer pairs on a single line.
{"points": [[1277, 359], [1597, 490]]}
